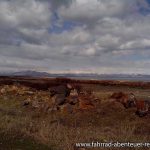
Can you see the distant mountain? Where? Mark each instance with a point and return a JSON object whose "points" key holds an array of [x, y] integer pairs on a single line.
{"points": [[137, 77], [45, 74], [31, 74]]}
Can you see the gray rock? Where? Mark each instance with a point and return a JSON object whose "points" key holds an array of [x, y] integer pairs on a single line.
{"points": [[58, 99], [61, 89]]}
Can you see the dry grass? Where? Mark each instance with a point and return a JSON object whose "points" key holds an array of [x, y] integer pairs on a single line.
{"points": [[109, 122]]}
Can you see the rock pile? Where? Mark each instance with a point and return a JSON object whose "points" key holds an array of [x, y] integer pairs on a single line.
{"points": [[63, 98], [14, 89], [73, 100], [129, 100]]}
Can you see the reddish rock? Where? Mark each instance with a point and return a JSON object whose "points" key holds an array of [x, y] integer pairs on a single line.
{"points": [[85, 102], [66, 108], [128, 100], [143, 107]]}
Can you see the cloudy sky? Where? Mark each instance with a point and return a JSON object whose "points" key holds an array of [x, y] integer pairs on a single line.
{"points": [[102, 36]]}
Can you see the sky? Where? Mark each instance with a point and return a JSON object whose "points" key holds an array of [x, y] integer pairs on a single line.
{"points": [[75, 36]]}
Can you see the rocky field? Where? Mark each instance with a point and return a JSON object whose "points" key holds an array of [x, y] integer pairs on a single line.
{"points": [[31, 119]]}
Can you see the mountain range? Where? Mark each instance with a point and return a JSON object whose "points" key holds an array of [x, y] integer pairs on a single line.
{"points": [[80, 75]]}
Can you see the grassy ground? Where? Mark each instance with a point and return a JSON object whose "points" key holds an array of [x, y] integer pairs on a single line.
{"points": [[11, 142], [24, 128]]}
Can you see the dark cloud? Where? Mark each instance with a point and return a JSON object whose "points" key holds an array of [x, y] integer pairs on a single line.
{"points": [[58, 3]]}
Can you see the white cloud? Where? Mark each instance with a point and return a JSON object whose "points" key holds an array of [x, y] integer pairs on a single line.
{"points": [[93, 10], [23, 19], [77, 36], [30, 14], [111, 36]]}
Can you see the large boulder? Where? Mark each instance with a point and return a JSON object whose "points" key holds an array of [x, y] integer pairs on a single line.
{"points": [[85, 102], [58, 99], [61, 89], [88, 100], [126, 99], [143, 107]]}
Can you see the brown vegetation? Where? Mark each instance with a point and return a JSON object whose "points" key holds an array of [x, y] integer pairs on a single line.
{"points": [[85, 116], [45, 83]]}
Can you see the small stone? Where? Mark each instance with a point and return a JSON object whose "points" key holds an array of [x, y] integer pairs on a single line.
{"points": [[26, 102], [35, 104], [29, 92], [3, 91]]}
